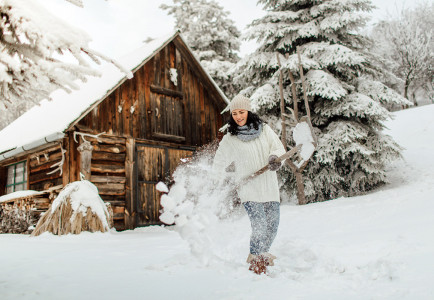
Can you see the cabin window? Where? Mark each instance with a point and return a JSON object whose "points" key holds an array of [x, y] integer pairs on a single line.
{"points": [[16, 178]]}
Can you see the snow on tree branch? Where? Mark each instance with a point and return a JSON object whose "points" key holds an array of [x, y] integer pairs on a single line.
{"points": [[79, 3], [325, 85], [40, 53]]}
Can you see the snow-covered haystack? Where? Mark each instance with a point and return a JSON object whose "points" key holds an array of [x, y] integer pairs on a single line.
{"points": [[77, 208]]}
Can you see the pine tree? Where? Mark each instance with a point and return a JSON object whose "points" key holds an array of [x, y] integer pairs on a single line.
{"points": [[345, 99], [40, 53], [211, 34]]}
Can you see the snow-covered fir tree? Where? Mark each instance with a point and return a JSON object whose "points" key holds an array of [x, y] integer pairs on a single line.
{"points": [[346, 100], [211, 34], [40, 53]]}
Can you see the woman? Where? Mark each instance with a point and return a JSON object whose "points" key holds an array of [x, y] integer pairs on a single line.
{"points": [[249, 145]]}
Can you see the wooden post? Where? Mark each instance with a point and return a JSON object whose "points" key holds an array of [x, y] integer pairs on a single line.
{"points": [[298, 171], [294, 96], [129, 218], [66, 164], [3, 179], [85, 150], [282, 103], [306, 102]]}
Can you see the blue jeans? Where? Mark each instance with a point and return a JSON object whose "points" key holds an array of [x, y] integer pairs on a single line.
{"points": [[264, 218]]}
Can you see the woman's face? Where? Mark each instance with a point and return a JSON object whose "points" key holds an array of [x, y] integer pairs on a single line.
{"points": [[240, 116]]}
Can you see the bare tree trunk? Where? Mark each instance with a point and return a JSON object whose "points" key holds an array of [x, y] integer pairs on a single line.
{"points": [[413, 95], [407, 83]]}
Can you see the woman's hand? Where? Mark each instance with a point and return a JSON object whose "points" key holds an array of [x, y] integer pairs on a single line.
{"points": [[273, 165]]}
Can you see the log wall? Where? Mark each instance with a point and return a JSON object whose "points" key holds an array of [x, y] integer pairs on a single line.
{"points": [[40, 164], [108, 173]]}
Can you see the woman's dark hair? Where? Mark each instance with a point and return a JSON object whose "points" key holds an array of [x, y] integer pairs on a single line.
{"points": [[252, 118]]}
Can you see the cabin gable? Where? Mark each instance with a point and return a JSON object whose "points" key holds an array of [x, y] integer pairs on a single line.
{"points": [[168, 99]]}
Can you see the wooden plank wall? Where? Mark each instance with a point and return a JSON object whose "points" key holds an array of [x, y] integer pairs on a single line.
{"points": [[127, 111], [154, 164]]}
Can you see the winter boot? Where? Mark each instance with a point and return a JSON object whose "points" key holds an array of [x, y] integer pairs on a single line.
{"points": [[251, 257], [258, 264], [270, 258]]}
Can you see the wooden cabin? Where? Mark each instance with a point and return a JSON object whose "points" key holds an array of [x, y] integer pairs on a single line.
{"points": [[124, 135]]}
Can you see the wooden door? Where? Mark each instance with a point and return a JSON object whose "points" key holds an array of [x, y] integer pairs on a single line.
{"points": [[153, 164], [167, 120]]}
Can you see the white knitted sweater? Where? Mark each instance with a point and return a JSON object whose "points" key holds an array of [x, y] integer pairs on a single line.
{"points": [[248, 158]]}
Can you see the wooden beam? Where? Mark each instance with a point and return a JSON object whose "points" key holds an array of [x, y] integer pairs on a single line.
{"points": [[35, 178], [119, 157], [165, 144], [164, 91], [107, 179], [168, 137], [100, 168], [34, 162]]}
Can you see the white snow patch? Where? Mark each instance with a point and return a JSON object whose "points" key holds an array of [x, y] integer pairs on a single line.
{"points": [[167, 217], [162, 187], [167, 203], [303, 136], [18, 194]]}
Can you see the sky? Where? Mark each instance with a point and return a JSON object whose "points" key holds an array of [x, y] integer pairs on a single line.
{"points": [[119, 26]]}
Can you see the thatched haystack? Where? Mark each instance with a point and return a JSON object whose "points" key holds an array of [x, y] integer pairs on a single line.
{"points": [[77, 208]]}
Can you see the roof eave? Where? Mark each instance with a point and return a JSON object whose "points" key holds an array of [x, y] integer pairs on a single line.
{"points": [[28, 147]]}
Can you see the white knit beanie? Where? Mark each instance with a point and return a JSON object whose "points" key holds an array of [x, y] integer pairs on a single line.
{"points": [[240, 102]]}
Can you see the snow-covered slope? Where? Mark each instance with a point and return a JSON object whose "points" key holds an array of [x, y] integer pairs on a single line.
{"points": [[376, 246]]}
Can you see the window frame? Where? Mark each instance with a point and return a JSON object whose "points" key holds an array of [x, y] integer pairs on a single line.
{"points": [[14, 184]]}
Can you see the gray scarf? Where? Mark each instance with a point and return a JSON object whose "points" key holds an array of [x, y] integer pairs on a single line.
{"points": [[248, 133]]}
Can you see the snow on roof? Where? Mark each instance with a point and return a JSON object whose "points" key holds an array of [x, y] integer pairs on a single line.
{"points": [[52, 118]]}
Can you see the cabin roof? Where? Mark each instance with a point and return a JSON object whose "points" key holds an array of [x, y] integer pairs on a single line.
{"points": [[52, 118]]}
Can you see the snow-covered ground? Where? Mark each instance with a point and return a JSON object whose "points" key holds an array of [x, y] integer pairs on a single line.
{"points": [[376, 246]]}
